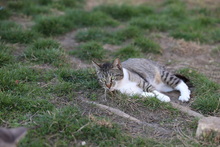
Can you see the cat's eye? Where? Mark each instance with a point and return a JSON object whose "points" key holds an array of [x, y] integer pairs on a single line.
{"points": [[113, 78]]}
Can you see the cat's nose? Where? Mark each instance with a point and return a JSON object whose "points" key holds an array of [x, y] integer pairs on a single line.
{"points": [[109, 85]]}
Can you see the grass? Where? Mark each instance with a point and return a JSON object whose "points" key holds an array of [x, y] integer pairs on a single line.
{"points": [[56, 25], [128, 52], [147, 46], [45, 51], [4, 13], [40, 89], [89, 51], [92, 34], [108, 36], [5, 55], [124, 12], [206, 92], [13, 33]]}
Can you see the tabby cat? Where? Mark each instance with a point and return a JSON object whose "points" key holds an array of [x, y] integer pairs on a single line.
{"points": [[10, 137], [137, 76]]}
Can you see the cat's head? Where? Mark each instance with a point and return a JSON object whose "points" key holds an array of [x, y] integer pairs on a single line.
{"points": [[109, 73], [11, 137]]}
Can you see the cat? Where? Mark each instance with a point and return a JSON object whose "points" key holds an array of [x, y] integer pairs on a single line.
{"points": [[139, 76], [11, 137]]}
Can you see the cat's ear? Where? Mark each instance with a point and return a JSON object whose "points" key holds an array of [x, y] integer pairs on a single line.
{"points": [[96, 65], [117, 64], [12, 136]]}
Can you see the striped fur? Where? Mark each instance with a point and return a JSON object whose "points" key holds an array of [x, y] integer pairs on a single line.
{"points": [[148, 76]]}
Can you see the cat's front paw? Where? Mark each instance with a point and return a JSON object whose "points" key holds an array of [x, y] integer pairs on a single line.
{"points": [[163, 98], [184, 98]]}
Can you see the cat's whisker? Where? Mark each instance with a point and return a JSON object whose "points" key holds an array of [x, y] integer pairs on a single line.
{"points": [[105, 97]]}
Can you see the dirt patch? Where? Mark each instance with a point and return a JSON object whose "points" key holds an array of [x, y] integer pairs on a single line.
{"points": [[23, 20], [178, 53], [159, 124], [77, 63], [67, 41]]}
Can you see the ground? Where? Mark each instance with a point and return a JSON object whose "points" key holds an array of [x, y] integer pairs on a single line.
{"points": [[50, 77]]}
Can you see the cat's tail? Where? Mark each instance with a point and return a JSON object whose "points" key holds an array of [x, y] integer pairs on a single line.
{"points": [[185, 80]]}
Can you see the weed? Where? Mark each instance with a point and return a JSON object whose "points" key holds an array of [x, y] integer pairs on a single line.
{"points": [[128, 52], [89, 51], [147, 45]]}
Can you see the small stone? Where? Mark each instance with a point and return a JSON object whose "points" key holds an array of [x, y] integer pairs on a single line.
{"points": [[83, 143], [209, 128]]}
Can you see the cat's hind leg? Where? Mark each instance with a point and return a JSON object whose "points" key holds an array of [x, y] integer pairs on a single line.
{"points": [[184, 91], [162, 97]]}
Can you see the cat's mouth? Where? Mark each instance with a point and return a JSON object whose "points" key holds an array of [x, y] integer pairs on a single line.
{"points": [[109, 87]]}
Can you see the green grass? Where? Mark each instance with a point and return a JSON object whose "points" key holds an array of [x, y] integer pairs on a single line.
{"points": [[127, 33], [13, 33], [89, 51], [46, 51], [56, 25], [108, 36], [49, 26], [155, 22], [147, 46], [124, 12], [206, 92], [4, 13], [5, 55], [128, 52], [92, 34], [27, 7], [82, 18]]}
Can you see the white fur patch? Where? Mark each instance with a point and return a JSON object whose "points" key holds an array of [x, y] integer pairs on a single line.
{"points": [[162, 87], [161, 96], [184, 91], [126, 86]]}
